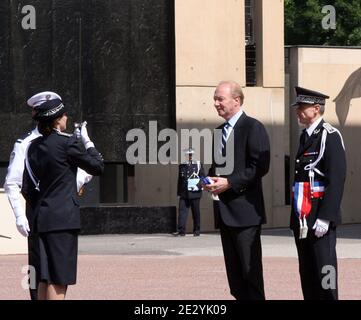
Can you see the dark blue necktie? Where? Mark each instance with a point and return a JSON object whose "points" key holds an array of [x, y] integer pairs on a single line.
{"points": [[303, 138], [225, 131]]}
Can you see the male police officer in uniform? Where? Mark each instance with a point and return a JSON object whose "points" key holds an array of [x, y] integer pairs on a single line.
{"points": [[13, 180], [190, 193], [320, 171]]}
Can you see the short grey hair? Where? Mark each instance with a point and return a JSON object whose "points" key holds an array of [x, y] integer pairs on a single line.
{"points": [[322, 109], [236, 89]]}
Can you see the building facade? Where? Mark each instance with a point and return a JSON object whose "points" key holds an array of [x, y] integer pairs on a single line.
{"points": [[154, 65]]}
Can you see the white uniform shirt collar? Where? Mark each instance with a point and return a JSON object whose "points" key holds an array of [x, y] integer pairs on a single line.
{"points": [[235, 118], [313, 126], [36, 131]]}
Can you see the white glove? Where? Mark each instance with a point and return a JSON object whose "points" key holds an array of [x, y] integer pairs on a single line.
{"points": [[85, 137], [22, 225], [321, 227], [77, 130], [82, 178]]}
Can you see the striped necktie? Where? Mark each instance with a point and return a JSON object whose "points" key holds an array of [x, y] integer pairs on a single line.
{"points": [[225, 131]]}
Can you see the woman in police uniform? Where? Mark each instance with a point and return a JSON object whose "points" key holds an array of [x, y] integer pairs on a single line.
{"points": [[49, 186]]}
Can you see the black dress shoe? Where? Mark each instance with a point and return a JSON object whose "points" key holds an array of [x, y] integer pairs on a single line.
{"points": [[196, 234], [176, 234]]}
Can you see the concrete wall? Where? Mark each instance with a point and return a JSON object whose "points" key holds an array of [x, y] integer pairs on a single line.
{"points": [[210, 47], [209, 41], [157, 184], [337, 73], [195, 110], [269, 30]]}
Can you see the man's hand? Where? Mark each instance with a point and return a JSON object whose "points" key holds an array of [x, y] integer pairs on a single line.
{"points": [[321, 227], [23, 225], [220, 185], [85, 137]]}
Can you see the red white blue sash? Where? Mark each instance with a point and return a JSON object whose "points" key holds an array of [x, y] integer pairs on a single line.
{"points": [[302, 195]]}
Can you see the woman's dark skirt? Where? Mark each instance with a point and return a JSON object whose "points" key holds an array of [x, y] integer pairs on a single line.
{"points": [[58, 253]]}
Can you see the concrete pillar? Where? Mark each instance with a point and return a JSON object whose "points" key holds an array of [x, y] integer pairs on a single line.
{"points": [[269, 39], [210, 43]]}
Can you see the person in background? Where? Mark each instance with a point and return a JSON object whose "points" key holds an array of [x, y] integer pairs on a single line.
{"points": [[190, 192]]}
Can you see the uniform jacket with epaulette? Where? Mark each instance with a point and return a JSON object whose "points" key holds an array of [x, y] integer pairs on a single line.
{"points": [[54, 160], [186, 170], [332, 165]]}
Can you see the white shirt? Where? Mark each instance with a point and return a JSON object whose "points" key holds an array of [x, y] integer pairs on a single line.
{"points": [[14, 177], [232, 122], [314, 125]]}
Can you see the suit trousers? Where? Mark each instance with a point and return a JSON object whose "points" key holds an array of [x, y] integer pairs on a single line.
{"points": [[318, 265], [243, 259], [184, 205]]}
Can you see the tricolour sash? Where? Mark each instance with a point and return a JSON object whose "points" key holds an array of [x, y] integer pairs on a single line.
{"points": [[302, 196]]}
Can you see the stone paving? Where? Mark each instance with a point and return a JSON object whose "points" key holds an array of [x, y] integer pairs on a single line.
{"points": [[163, 267]]}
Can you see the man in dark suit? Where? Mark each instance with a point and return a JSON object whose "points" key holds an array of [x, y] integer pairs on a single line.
{"points": [[320, 172], [240, 208], [190, 192]]}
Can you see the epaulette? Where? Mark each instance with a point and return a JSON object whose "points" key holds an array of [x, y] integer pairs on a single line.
{"points": [[24, 136], [329, 128], [64, 134]]}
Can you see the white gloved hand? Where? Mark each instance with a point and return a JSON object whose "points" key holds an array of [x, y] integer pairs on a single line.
{"points": [[77, 131], [82, 178], [321, 227], [85, 137], [23, 225]]}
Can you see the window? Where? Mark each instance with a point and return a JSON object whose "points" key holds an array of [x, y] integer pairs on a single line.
{"points": [[249, 7], [114, 182], [250, 44]]}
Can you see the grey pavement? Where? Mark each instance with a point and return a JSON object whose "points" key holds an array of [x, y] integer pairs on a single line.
{"points": [[163, 267], [275, 243]]}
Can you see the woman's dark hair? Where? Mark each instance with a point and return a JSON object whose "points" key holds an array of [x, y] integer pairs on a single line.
{"points": [[46, 127]]}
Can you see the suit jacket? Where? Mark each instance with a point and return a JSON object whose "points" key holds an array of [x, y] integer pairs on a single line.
{"points": [[333, 166], [243, 205], [54, 160], [184, 173]]}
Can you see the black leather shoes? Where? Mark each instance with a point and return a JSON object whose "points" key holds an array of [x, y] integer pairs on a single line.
{"points": [[196, 234], [176, 234]]}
